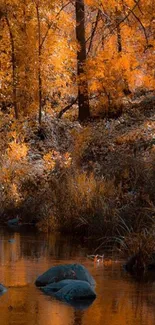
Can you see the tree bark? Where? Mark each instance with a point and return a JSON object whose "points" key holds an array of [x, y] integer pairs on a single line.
{"points": [[119, 39], [13, 60], [39, 66], [126, 89], [83, 97]]}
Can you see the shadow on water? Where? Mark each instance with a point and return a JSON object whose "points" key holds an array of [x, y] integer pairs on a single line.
{"points": [[83, 305], [142, 277], [77, 305], [120, 299]]}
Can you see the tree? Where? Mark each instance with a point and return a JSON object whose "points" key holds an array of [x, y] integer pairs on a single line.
{"points": [[43, 60], [39, 61], [83, 96], [5, 10]]}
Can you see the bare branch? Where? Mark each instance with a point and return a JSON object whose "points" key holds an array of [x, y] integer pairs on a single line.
{"points": [[66, 108], [143, 28], [123, 19], [51, 23], [93, 31]]}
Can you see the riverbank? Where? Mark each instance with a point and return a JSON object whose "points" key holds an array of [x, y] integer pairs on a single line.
{"points": [[95, 179]]}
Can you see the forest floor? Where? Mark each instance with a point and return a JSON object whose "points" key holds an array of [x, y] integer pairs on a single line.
{"points": [[95, 179]]}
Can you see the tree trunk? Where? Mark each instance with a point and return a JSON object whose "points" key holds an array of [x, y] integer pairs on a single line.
{"points": [[13, 60], [83, 97], [119, 39], [126, 89], [39, 66]]}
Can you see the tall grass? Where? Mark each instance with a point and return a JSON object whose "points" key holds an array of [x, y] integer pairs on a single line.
{"points": [[82, 202]]}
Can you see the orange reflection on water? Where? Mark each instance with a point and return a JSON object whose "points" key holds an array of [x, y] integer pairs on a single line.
{"points": [[120, 299]]}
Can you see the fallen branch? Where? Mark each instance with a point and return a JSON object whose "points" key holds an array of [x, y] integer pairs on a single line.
{"points": [[66, 108]]}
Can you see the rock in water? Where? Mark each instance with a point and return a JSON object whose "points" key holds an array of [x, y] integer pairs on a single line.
{"points": [[62, 272], [76, 293], [11, 240], [13, 222], [53, 288], [2, 289], [77, 290]]}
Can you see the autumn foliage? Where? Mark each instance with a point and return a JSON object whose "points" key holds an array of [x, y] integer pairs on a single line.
{"points": [[38, 52], [88, 60]]}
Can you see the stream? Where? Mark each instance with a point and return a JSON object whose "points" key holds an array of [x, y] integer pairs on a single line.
{"points": [[121, 300]]}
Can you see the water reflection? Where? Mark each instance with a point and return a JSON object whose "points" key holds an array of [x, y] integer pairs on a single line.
{"points": [[120, 299]]}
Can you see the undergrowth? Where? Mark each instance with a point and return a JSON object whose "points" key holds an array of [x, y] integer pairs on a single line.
{"points": [[80, 179]]}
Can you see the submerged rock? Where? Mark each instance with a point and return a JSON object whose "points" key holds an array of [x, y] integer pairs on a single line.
{"points": [[62, 272], [56, 286], [13, 222], [2, 289], [76, 290], [136, 263], [82, 287], [11, 240], [71, 283]]}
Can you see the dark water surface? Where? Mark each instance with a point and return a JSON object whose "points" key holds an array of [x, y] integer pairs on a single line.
{"points": [[120, 299]]}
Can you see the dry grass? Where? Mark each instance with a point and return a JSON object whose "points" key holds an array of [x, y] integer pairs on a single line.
{"points": [[100, 173], [138, 247], [81, 202]]}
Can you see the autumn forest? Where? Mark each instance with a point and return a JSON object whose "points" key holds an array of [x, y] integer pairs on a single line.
{"points": [[77, 125]]}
